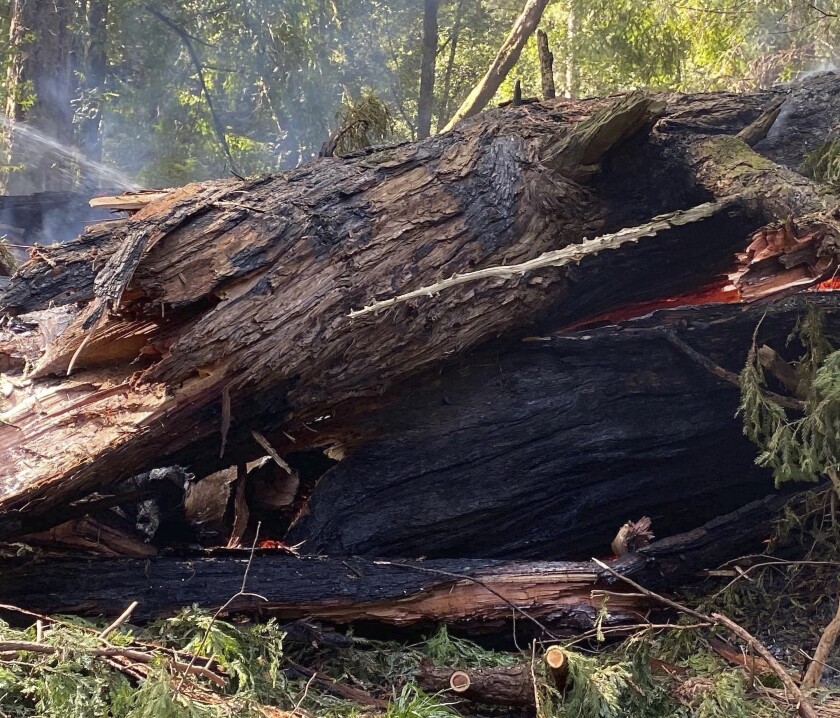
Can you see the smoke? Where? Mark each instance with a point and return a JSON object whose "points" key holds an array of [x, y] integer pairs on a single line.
{"points": [[817, 68], [66, 165], [32, 215]]}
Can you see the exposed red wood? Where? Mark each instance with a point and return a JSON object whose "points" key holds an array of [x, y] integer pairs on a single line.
{"points": [[779, 259], [722, 292]]}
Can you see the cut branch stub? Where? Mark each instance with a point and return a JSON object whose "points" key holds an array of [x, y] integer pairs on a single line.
{"points": [[459, 681], [558, 666]]}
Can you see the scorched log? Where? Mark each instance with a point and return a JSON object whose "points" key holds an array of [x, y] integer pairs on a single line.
{"points": [[542, 448], [233, 306], [476, 594]]}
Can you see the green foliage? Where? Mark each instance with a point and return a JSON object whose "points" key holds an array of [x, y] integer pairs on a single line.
{"points": [[823, 164], [278, 73], [598, 688], [804, 448], [74, 683], [251, 657], [726, 698], [615, 683], [156, 699], [452, 652], [411, 702]]}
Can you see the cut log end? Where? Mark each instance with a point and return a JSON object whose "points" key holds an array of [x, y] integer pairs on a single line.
{"points": [[459, 681]]}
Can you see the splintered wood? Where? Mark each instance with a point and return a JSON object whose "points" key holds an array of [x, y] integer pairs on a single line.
{"points": [[233, 309]]}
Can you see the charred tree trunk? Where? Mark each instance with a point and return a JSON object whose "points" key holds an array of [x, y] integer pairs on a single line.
{"points": [[480, 595], [546, 66], [543, 449], [299, 305]]}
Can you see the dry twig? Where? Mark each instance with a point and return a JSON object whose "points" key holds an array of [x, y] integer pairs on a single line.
{"points": [[813, 676]]}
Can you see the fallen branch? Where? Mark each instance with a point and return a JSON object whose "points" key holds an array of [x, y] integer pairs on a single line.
{"points": [[339, 689], [729, 376], [478, 594], [559, 258], [122, 618], [136, 656], [499, 685], [813, 676]]}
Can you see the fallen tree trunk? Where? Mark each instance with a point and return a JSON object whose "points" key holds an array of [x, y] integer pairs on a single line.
{"points": [[225, 307], [477, 594]]}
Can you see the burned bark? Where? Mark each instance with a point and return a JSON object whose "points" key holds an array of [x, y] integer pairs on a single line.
{"points": [[478, 594], [225, 307], [544, 448], [546, 66]]}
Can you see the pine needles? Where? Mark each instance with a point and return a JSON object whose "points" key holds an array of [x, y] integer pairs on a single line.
{"points": [[804, 448], [823, 163], [362, 122]]}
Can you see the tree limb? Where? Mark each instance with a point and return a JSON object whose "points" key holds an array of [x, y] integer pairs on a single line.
{"points": [[187, 39]]}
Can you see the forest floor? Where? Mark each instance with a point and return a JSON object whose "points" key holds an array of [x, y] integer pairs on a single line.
{"points": [[196, 664]]}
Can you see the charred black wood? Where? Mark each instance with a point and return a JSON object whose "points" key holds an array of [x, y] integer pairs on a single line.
{"points": [[476, 594], [545, 448]]}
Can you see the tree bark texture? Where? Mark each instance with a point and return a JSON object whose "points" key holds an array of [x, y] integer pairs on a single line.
{"points": [[39, 117], [544, 448], [502, 685], [476, 594], [546, 66], [426, 100], [504, 61], [572, 73], [229, 307]]}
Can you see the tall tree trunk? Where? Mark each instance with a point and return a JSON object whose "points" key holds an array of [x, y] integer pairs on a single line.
{"points": [[443, 110], [509, 53], [95, 68], [572, 77], [39, 82], [427, 69]]}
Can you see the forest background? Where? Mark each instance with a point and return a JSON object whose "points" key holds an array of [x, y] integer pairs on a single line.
{"points": [[172, 92]]}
